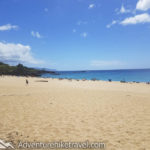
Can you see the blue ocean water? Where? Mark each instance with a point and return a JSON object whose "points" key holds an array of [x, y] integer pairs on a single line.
{"points": [[138, 75]]}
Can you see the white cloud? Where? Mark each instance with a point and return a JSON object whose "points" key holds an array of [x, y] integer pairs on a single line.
{"points": [[143, 5], [111, 24], [142, 18], [101, 63], [36, 34], [84, 34], [8, 27], [123, 10], [91, 6], [17, 53], [46, 9]]}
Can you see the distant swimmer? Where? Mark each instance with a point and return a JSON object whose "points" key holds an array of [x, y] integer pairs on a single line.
{"points": [[27, 82]]}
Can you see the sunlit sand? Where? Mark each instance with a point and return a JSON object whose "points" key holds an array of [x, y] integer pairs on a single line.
{"points": [[115, 113]]}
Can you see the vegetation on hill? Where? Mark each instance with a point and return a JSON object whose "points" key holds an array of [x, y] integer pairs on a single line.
{"points": [[21, 70]]}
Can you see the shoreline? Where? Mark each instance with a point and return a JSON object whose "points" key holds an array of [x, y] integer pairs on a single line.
{"points": [[122, 81], [72, 79]]}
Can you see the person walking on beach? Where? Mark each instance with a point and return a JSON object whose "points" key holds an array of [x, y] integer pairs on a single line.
{"points": [[27, 82]]}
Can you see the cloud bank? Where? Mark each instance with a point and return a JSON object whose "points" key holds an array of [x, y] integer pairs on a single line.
{"points": [[142, 18], [143, 5], [16, 53]]}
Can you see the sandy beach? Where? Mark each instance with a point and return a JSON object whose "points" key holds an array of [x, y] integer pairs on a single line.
{"points": [[117, 114]]}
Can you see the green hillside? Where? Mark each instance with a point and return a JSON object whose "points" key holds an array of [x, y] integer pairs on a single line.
{"points": [[21, 70]]}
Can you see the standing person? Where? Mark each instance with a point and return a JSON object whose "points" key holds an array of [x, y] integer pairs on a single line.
{"points": [[27, 82]]}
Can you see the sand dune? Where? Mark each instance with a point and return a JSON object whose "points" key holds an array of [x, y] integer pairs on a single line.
{"points": [[117, 114]]}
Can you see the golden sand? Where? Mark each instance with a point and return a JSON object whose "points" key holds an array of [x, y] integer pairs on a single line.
{"points": [[115, 113]]}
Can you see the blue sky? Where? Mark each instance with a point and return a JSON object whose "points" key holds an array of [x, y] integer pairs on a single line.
{"points": [[75, 34]]}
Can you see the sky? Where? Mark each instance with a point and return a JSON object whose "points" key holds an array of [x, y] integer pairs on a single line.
{"points": [[75, 34]]}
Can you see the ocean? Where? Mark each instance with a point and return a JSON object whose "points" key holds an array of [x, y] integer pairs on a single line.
{"points": [[128, 75]]}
